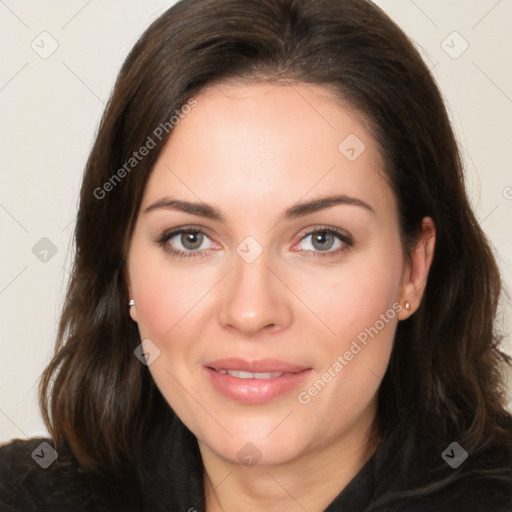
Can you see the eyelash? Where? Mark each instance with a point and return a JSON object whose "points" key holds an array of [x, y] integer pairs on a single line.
{"points": [[167, 235]]}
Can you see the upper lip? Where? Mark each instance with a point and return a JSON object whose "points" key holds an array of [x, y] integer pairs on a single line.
{"points": [[255, 366]]}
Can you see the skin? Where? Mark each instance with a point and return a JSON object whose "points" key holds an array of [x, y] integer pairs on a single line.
{"points": [[252, 151]]}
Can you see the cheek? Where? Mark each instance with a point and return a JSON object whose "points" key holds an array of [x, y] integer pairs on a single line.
{"points": [[166, 293], [355, 305], [358, 308], [157, 305], [354, 298], [167, 300]]}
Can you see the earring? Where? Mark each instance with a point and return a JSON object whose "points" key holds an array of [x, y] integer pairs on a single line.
{"points": [[408, 306], [131, 303]]}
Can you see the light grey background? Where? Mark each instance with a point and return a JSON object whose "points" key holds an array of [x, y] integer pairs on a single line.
{"points": [[50, 110]]}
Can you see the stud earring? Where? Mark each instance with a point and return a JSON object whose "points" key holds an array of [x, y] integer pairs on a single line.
{"points": [[131, 303], [408, 306]]}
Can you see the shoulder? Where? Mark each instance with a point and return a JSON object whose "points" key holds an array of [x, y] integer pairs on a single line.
{"points": [[33, 476], [482, 483], [425, 481], [467, 494]]}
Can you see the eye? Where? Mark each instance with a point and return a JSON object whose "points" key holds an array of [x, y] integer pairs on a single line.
{"points": [[184, 242], [188, 242], [324, 240]]}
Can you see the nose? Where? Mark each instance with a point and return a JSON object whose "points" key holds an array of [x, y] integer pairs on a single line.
{"points": [[255, 299]]}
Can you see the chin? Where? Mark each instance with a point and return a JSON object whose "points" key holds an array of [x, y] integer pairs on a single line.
{"points": [[261, 441], [262, 451]]}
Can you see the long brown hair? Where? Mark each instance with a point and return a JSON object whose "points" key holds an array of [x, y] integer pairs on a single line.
{"points": [[99, 400]]}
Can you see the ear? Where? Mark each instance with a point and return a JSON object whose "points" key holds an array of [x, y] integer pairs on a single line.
{"points": [[414, 277], [133, 311]]}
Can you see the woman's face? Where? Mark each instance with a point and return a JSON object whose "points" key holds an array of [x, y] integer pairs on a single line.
{"points": [[300, 293]]}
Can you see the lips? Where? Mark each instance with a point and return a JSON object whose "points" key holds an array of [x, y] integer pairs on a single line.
{"points": [[255, 382], [255, 366]]}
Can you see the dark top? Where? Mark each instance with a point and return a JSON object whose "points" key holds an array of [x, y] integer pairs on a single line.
{"points": [[406, 480]]}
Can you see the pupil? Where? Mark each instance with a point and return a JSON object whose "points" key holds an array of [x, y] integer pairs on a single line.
{"points": [[193, 239], [321, 238]]}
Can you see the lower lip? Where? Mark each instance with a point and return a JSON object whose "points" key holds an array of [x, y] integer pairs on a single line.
{"points": [[255, 391]]}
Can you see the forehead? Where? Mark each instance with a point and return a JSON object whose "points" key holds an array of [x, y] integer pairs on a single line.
{"points": [[254, 144]]}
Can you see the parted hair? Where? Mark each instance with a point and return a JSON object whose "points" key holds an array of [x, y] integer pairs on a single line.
{"points": [[446, 368]]}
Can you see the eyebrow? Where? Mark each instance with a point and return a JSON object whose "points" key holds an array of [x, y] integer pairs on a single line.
{"points": [[294, 212]]}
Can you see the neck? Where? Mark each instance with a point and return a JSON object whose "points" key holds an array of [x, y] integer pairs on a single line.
{"points": [[310, 481]]}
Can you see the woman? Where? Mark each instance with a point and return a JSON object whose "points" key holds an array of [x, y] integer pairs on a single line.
{"points": [[281, 298]]}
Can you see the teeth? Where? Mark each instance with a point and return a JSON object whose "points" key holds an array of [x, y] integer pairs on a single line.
{"points": [[240, 374]]}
